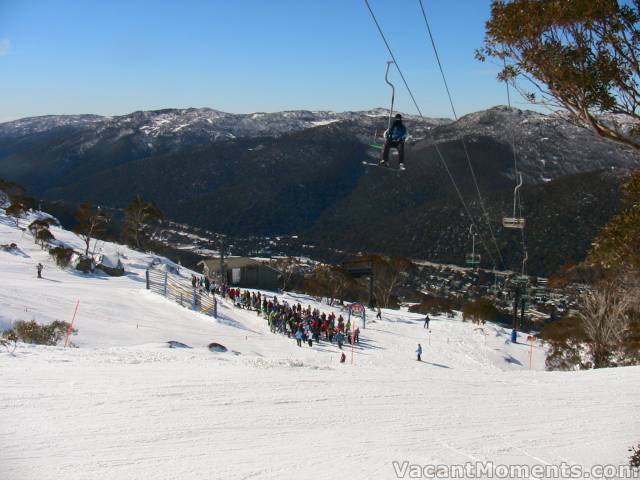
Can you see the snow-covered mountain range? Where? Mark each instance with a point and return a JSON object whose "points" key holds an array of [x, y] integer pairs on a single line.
{"points": [[302, 173], [194, 125], [547, 146]]}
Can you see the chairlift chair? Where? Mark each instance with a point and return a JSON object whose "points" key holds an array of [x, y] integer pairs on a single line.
{"points": [[472, 258], [515, 221], [379, 143]]}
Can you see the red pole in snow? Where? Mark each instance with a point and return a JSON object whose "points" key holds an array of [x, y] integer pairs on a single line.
{"points": [[353, 340], [70, 329], [531, 338]]}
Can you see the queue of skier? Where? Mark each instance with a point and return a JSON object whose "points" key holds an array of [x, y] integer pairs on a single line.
{"points": [[304, 324], [307, 325]]}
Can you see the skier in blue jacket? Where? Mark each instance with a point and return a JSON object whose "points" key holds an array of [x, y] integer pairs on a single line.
{"points": [[394, 138], [419, 352]]}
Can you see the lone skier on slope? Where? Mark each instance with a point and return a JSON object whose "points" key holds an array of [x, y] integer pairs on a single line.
{"points": [[394, 137], [39, 268], [426, 321], [419, 352]]}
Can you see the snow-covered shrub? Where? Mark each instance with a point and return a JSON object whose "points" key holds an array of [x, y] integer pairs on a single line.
{"points": [[43, 237], [634, 459], [85, 264], [33, 332], [61, 255], [572, 346], [109, 265], [9, 341], [9, 247], [604, 315], [568, 355], [567, 344], [434, 306], [480, 311]]}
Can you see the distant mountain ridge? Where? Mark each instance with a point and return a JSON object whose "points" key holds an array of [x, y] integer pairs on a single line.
{"points": [[301, 173], [203, 124]]}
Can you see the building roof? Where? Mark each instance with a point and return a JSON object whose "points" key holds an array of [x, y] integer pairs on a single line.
{"points": [[213, 263]]}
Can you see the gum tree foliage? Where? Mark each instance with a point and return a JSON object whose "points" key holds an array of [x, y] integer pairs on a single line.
{"points": [[9, 341], [581, 56], [329, 281], [139, 215], [91, 223], [19, 203], [634, 459], [11, 188], [33, 332], [480, 311], [605, 315], [287, 266], [617, 246], [62, 255], [40, 230], [388, 274]]}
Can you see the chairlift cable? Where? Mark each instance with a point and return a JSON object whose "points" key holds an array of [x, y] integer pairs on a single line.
{"points": [[464, 144], [513, 140], [437, 149], [517, 200]]}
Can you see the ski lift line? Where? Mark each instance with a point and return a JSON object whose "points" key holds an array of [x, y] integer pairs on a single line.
{"points": [[464, 144], [435, 51], [437, 149]]}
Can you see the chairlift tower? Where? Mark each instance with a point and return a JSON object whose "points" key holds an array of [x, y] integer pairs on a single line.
{"points": [[521, 282]]}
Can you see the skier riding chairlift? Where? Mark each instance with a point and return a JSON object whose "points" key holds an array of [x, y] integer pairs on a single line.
{"points": [[395, 137], [396, 133]]}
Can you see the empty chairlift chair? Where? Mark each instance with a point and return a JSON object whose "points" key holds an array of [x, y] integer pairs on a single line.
{"points": [[515, 221], [472, 259]]}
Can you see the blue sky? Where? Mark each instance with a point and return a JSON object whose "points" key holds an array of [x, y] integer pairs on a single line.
{"points": [[114, 57]]}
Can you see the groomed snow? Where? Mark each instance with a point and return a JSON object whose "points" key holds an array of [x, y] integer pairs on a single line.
{"points": [[124, 406]]}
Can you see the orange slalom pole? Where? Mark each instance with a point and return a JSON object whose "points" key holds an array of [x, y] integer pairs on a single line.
{"points": [[70, 329]]}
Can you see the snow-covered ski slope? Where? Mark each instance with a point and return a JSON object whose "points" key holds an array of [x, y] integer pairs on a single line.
{"points": [[124, 406]]}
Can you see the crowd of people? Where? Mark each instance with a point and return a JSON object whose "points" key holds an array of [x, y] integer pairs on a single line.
{"points": [[305, 325], [308, 324]]}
